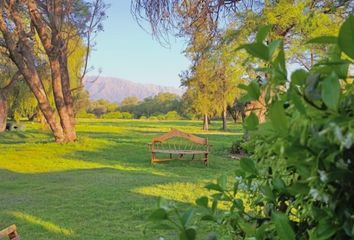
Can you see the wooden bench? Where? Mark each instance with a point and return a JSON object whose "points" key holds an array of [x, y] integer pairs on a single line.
{"points": [[193, 146], [10, 232]]}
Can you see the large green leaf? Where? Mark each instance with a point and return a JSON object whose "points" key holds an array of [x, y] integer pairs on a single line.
{"points": [[251, 122], [214, 186], [158, 214], [278, 118], [188, 234], [324, 40], [297, 101], [187, 217], [258, 50], [282, 226], [253, 90], [331, 91], [279, 184], [248, 228], [346, 37], [248, 165], [263, 33], [298, 188], [273, 46], [325, 229], [202, 201], [298, 77], [267, 192]]}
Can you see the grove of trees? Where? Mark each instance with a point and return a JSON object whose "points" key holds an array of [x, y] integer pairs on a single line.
{"points": [[37, 40]]}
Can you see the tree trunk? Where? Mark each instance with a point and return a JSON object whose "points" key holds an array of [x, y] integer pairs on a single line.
{"points": [[68, 98], [65, 118], [22, 54], [3, 111], [206, 122], [224, 119], [30, 74]]}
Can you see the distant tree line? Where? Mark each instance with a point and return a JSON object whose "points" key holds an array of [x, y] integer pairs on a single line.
{"points": [[163, 106]]}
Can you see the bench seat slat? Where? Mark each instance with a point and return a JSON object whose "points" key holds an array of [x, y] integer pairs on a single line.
{"points": [[179, 151]]}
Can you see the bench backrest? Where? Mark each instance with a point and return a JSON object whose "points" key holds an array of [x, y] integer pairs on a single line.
{"points": [[174, 133]]}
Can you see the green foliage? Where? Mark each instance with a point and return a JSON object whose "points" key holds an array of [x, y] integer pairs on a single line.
{"points": [[346, 37], [130, 101], [251, 122], [101, 106], [157, 105], [298, 179], [172, 115], [173, 218], [117, 115], [22, 103], [85, 115], [112, 115]]}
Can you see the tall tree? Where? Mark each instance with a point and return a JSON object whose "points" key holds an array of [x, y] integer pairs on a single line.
{"points": [[33, 26]]}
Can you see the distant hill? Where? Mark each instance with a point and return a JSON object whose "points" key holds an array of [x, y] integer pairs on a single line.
{"points": [[116, 89]]}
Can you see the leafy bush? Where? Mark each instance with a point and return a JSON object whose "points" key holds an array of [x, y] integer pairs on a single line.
{"points": [[299, 178], [172, 115], [161, 117], [153, 118], [127, 115], [112, 115], [238, 147], [85, 115]]}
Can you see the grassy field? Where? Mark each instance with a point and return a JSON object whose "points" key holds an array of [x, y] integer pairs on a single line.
{"points": [[103, 186]]}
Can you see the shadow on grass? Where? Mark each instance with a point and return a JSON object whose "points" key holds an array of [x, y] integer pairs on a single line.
{"points": [[26, 136], [82, 204], [103, 186]]}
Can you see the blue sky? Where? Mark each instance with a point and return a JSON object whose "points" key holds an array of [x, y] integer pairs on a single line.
{"points": [[126, 51]]}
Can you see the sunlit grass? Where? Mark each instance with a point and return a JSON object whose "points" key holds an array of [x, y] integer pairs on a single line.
{"points": [[51, 227], [103, 186], [185, 192]]}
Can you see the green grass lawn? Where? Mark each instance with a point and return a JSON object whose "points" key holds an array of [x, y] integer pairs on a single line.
{"points": [[103, 186]]}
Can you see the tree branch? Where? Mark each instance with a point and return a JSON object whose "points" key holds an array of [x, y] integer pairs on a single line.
{"points": [[12, 82]]}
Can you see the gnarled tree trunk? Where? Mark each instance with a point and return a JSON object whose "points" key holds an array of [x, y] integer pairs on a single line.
{"points": [[55, 48], [65, 118]]}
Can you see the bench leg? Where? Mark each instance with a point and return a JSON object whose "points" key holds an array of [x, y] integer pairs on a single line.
{"points": [[206, 159], [170, 155], [152, 157]]}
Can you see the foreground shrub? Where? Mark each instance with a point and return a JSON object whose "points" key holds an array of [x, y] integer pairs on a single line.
{"points": [[299, 177]]}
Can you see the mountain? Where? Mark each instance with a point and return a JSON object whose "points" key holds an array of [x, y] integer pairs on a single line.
{"points": [[116, 89]]}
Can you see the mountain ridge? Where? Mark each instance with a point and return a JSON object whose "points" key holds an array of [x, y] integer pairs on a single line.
{"points": [[116, 89]]}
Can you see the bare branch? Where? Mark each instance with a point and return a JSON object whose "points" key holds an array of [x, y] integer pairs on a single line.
{"points": [[12, 82]]}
